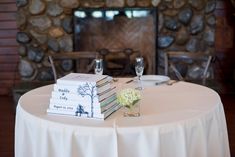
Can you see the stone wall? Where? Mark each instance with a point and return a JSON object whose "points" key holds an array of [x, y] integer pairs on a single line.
{"points": [[46, 26]]}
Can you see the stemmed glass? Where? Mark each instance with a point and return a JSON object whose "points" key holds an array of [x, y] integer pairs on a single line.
{"points": [[139, 69], [98, 66]]}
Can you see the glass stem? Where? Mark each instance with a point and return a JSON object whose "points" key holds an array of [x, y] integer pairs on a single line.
{"points": [[139, 82]]}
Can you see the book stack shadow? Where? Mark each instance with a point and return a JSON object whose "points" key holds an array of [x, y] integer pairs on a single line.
{"points": [[84, 96]]}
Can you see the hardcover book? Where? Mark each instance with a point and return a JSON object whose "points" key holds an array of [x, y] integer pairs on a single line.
{"points": [[74, 105], [75, 79], [72, 89], [83, 95], [85, 114]]}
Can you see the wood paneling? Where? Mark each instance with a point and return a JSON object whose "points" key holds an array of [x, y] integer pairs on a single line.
{"points": [[8, 7], [7, 1], [224, 34], [7, 82], [225, 46], [9, 50], [8, 25], [9, 59], [9, 33], [8, 46], [7, 76], [7, 16], [8, 67], [8, 42]]}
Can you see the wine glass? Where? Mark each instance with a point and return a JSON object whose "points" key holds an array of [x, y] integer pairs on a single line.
{"points": [[98, 66], [139, 68]]}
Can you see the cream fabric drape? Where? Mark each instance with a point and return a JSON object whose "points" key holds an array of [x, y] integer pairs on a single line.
{"points": [[182, 120]]}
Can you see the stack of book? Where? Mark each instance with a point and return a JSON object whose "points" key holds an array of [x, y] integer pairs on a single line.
{"points": [[83, 95]]}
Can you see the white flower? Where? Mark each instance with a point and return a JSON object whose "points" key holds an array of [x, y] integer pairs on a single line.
{"points": [[128, 97]]}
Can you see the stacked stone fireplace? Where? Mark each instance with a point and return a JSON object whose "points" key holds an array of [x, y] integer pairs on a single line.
{"points": [[47, 26]]}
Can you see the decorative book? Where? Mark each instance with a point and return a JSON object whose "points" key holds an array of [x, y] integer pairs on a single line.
{"points": [[75, 79], [70, 105], [83, 114], [87, 89], [83, 95], [72, 89]]}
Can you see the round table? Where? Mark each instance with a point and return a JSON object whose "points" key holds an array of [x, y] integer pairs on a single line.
{"points": [[181, 120]]}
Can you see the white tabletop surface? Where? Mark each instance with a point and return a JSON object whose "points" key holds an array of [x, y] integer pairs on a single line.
{"points": [[181, 120]]}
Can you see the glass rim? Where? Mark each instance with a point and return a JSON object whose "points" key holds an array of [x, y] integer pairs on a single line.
{"points": [[98, 59]]}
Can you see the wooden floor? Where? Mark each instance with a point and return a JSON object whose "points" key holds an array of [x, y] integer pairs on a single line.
{"points": [[7, 122]]}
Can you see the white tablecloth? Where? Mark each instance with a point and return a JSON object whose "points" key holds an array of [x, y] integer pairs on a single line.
{"points": [[182, 120]]}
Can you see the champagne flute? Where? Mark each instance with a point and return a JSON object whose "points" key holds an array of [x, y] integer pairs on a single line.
{"points": [[139, 68], [98, 66]]}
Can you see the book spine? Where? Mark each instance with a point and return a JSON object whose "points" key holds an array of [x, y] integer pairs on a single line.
{"points": [[61, 112], [75, 113], [62, 102], [57, 105], [73, 108], [72, 105], [69, 89], [86, 114], [75, 82], [103, 88], [65, 89], [72, 114], [74, 97], [84, 98], [108, 112], [63, 107], [107, 100], [107, 94], [103, 103], [86, 104], [108, 106], [72, 102]]}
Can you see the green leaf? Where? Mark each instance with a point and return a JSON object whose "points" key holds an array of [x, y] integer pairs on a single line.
{"points": [[134, 102]]}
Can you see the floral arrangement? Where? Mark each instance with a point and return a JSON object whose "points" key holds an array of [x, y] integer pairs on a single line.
{"points": [[128, 97]]}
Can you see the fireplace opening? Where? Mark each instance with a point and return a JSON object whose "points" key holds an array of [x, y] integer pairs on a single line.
{"points": [[122, 33]]}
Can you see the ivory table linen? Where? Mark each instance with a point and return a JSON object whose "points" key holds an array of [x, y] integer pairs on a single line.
{"points": [[181, 120]]}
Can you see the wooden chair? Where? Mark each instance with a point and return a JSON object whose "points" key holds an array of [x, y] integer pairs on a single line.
{"points": [[172, 58], [84, 61], [118, 62]]}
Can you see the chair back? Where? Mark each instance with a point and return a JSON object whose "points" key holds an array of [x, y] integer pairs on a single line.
{"points": [[84, 61], [173, 57], [119, 62]]}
